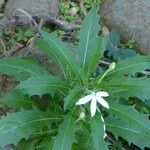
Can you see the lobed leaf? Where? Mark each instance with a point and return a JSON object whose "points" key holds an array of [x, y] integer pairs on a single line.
{"points": [[129, 124], [19, 125], [59, 53], [129, 66], [40, 85], [16, 99], [21, 68], [97, 133], [127, 87], [65, 137], [88, 36]]}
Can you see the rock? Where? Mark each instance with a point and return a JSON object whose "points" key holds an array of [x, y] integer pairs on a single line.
{"points": [[35, 8], [131, 18], [9, 147], [6, 84]]}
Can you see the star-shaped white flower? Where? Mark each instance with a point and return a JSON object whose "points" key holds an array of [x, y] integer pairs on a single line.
{"points": [[94, 98]]}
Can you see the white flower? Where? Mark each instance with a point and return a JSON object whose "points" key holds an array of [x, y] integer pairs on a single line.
{"points": [[94, 98]]}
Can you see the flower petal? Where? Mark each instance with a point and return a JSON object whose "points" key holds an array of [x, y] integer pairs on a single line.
{"points": [[102, 118], [104, 136], [93, 107], [84, 99], [103, 102], [102, 94]]}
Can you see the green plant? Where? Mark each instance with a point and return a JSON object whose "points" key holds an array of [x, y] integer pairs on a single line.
{"points": [[62, 124], [119, 52], [89, 3], [66, 11], [12, 37]]}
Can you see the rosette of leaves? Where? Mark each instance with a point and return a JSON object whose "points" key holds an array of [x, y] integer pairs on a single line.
{"points": [[57, 126]]}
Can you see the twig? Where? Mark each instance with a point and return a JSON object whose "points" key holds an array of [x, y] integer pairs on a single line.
{"points": [[26, 14], [66, 26], [12, 50]]}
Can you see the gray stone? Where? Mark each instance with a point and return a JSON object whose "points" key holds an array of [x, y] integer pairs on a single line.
{"points": [[9, 147], [35, 8], [131, 18]]}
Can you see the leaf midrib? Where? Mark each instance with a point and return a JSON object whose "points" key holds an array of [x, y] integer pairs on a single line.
{"points": [[87, 42], [70, 64], [125, 68], [127, 129], [128, 116], [19, 69], [46, 85], [24, 124], [127, 85], [65, 133]]}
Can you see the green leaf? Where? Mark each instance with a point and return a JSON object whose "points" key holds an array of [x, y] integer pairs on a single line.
{"points": [[130, 66], [88, 36], [40, 85], [83, 137], [126, 53], [96, 54], [16, 99], [127, 87], [46, 144], [129, 124], [112, 46], [19, 125], [114, 40], [27, 145], [59, 53], [72, 96], [65, 137], [114, 50], [20, 67], [97, 133]]}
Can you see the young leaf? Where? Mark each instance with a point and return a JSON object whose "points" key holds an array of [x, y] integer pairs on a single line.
{"points": [[16, 99], [129, 124], [20, 67], [97, 133], [59, 53], [40, 85], [19, 125], [65, 137], [88, 36], [72, 96], [126, 87], [130, 66]]}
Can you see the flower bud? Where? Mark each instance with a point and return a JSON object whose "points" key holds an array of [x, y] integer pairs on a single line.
{"points": [[112, 66], [82, 115]]}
